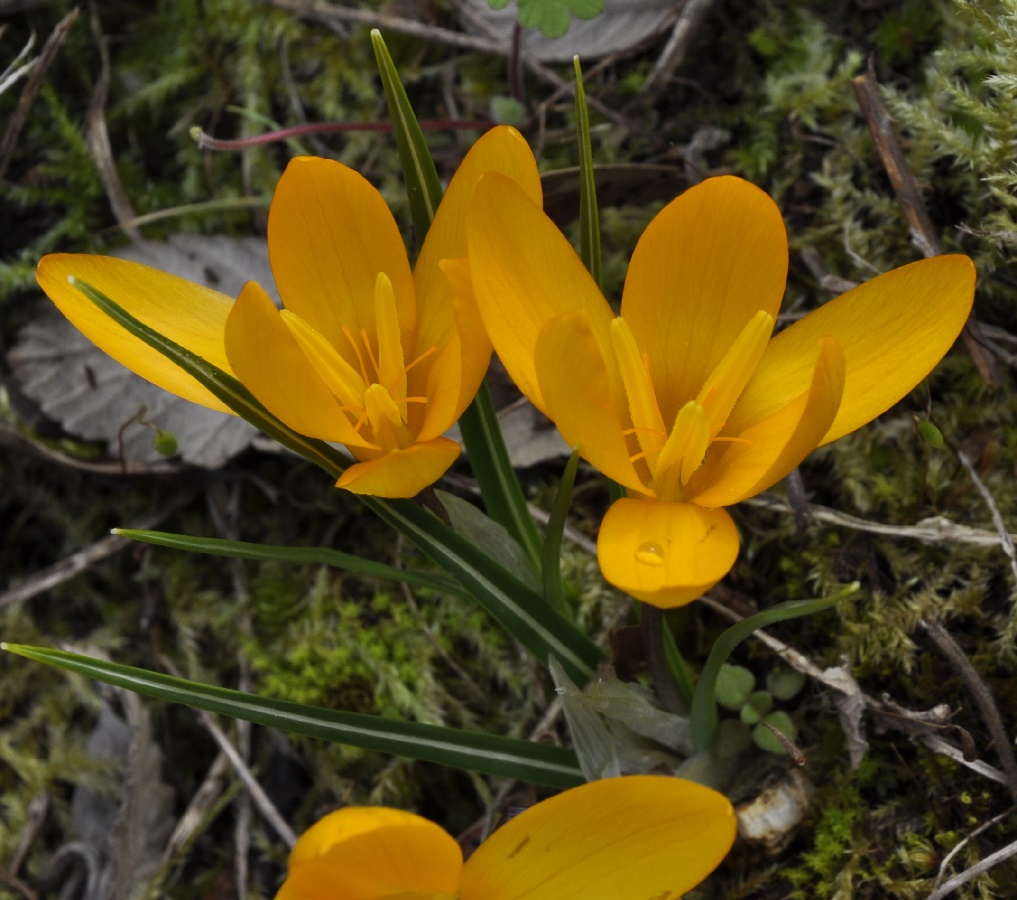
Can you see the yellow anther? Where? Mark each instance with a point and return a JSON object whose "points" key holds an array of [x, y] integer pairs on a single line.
{"points": [[684, 451], [391, 366], [732, 373], [386, 420], [342, 379], [648, 426]]}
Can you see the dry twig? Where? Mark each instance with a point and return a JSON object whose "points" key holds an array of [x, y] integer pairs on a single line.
{"points": [[983, 699], [99, 145], [32, 87], [934, 530], [198, 809], [915, 725], [967, 875], [963, 843], [265, 806], [1005, 540], [78, 562], [909, 194], [673, 55]]}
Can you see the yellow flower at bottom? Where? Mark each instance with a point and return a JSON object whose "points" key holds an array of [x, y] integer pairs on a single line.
{"points": [[366, 353], [684, 399], [638, 837]]}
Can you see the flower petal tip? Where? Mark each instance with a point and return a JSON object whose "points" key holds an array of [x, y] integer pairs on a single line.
{"points": [[665, 554]]}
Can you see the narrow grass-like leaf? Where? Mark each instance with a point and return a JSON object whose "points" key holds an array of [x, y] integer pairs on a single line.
{"points": [[494, 755], [551, 562], [224, 386], [499, 486], [282, 553], [423, 187], [679, 670], [481, 433], [589, 214], [519, 609], [704, 703]]}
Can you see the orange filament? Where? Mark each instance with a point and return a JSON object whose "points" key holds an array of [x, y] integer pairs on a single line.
{"points": [[356, 349]]}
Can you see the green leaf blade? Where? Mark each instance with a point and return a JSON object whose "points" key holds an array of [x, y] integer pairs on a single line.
{"points": [[326, 556], [589, 214], [519, 609], [704, 702], [491, 754], [423, 187], [499, 487]]}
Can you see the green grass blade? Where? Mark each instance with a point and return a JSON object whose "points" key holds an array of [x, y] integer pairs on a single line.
{"points": [[679, 670], [703, 718], [479, 423], [224, 386], [423, 187], [323, 555], [507, 757], [589, 215], [519, 609], [499, 487], [551, 562]]}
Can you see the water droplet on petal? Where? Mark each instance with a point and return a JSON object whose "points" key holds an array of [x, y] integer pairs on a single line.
{"points": [[650, 554]]}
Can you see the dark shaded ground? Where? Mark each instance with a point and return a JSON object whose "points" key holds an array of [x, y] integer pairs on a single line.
{"points": [[764, 91]]}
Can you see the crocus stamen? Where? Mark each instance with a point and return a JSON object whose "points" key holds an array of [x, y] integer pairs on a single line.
{"points": [[684, 451], [420, 358], [648, 426], [342, 379], [366, 338], [732, 373], [386, 419], [356, 349], [391, 365]]}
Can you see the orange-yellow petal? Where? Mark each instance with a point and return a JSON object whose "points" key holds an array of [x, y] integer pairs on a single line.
{"points": [[894, 329], [502, 150], [401, 473], [372, 853], [455, 374], [706, 264], [665, 554], [189, 314], [639, 837], [525, 273], [442, 388], [329, 235], [573, 377], [271, 364], [762, 455]]}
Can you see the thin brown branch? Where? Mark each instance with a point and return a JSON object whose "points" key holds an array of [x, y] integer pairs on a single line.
{"points": [[32, 88], [13, 437], [78, 562], [257, 793], [983, 699], [967, 875], [1005, 540], [935, 530], [985, 826], [909, 195], [99, 146], [673, 55], [915, 725]]}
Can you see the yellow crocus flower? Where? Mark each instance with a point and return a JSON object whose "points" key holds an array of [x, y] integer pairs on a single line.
{"points": [[684, 399], [638, 837], [365, 353]]}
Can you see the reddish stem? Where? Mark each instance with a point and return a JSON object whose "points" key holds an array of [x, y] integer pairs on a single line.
{"points": [[207, 142]]}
